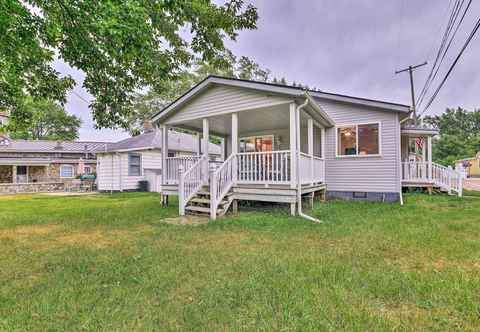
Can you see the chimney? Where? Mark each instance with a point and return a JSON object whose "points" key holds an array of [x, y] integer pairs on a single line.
{"points": [[147, 126]]}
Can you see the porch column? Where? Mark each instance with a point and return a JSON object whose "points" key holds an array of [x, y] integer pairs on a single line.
{"points": [[429, 150], [14, 174], [206, 138], [322, 137], [222, 147], [310, 136], [164, 153], [199, 144], [293, 146], [424, 151], [235, 144], [310, 146]]}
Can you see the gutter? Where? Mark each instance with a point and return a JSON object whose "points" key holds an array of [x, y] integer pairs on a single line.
{"points": [[297, 145]]}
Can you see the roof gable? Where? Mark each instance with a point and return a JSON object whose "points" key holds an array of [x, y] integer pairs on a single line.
{"points": [[272, 89]]}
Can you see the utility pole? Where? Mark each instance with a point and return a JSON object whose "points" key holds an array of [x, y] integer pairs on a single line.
{"points": [[410, 70]]}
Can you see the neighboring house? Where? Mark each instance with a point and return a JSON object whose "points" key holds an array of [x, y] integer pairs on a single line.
{"points": [[30, 166], [471, 166], [283, 142], [121, 165]]}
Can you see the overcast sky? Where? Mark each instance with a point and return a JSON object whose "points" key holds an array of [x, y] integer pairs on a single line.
{"points": [[349, 47]]}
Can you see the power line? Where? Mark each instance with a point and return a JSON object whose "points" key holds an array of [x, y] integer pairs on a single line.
{"points": [[443, 49], [421, 98], [79, 96], [467, 42]]}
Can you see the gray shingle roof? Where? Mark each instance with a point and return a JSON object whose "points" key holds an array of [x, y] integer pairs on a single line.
{"points": [[176, 141], [19, 145]]}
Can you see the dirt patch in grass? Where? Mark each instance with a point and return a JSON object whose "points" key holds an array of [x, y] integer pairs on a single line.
{"points": [[46, 237], [29, 231], [421, 262]]}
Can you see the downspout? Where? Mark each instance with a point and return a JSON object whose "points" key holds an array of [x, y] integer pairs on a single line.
{"points": [[299, 185]]}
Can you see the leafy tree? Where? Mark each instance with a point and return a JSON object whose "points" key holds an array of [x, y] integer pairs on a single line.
{"points": [[459, 135], [122, 47], [43, 119]]}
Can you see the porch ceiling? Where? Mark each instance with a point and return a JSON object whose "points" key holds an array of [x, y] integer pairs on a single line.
{"points": [[267, 118]]}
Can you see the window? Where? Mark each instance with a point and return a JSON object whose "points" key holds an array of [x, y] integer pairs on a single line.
{"points": [[87, 170], [256, 144], [66, 171], [171, 154], [134, 165], [358, 140]]}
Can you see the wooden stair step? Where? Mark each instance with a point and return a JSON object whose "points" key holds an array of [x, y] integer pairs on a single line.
{"points": [[197, 209], [201, 209], [207, 201], [200, 200]]}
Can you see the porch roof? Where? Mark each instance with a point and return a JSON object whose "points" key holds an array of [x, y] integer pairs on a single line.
{"points": [[419, 131], [25, 161], [295, 92]]}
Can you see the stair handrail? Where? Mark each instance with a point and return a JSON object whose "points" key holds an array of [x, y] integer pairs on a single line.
{"points": [[448, 178], [221, 182], [191, 181]]}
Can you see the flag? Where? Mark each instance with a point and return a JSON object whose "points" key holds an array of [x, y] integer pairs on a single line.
{"points": [[420, 141]]}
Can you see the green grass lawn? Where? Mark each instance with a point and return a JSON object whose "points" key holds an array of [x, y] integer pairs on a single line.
{"points": [[109, 262]]}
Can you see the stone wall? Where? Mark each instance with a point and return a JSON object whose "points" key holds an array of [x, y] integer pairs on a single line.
{"points": [[6, 174], [13, 188]]}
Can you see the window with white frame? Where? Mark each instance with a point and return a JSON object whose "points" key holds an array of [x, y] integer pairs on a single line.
{"points": [[134, 164], [256, 143], [87, 170], [358, 140], [66, 171]]}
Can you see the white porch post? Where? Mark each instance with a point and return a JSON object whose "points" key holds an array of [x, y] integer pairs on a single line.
{"points": [[235, 144], [164, 153], [310, 146], [206, 138], [293, 146], [199, 144], [429, 149], [322, 133], [222, 147]]}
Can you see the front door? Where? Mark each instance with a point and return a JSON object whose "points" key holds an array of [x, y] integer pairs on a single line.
{"points": [[22, 175]]}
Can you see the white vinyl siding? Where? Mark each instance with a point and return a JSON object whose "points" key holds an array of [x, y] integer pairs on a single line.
{"points": [[110, 166], [369, 173], [225, 99]]}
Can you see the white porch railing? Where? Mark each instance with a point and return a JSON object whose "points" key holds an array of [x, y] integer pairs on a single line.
{"points": [[269, 167], [444, 177], [312, 169], [415, 171], [173, 164], [190, 182], [221, 182]]}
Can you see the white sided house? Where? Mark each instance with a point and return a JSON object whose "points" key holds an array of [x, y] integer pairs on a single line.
{"points": [[121, 165], [284, 142]]}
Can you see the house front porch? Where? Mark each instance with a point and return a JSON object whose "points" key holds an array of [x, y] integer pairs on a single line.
{"points": [[273, 154], [418, 169]]}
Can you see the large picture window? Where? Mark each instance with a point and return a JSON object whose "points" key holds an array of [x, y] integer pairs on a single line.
{"points": [[358, 140], [134, 164], [256, 143]]}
